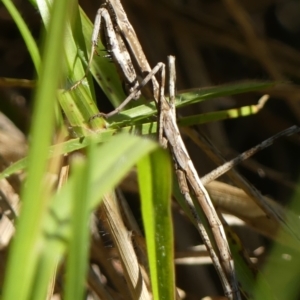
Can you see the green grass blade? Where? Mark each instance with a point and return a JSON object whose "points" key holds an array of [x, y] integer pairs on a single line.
{"points": [[26, 34], [201, 94], [22, 260], [284, 258], [46, 270], [131, 147], [104, 72], [78, 105], [244, 111], [246, 271], [185, 98], [78, 249], [155, 189], [80, 143], [78, 112]]}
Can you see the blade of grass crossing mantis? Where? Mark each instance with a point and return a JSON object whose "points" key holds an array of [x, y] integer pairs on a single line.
{"points": [[155, 191], [201, 94], [184, 99], [223, 114]]}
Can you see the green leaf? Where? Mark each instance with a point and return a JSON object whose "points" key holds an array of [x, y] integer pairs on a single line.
{"points": [[155, 178], [79, 143], [233, 113], [246, 271], [22, 260], [185, 98], [283, 264], [104, 72], [78, 247], [200, 94]]}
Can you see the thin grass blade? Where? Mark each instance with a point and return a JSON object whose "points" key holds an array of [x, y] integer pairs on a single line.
{"points": [[22, 260], [155, 178], [26, 34], [78, 246]]}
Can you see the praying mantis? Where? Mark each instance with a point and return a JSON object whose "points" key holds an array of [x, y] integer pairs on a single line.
{"points": [[127, 54]]}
